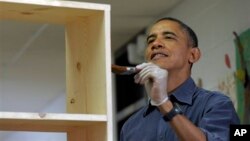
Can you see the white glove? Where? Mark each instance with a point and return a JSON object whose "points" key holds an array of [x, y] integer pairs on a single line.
{"points": [[155, 81]]}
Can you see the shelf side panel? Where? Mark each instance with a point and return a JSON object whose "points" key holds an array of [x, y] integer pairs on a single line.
{"points": [[91, 133], [85, 65]]}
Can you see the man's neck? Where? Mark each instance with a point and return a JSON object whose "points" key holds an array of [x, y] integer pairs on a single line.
{"points": [[175, 80]]}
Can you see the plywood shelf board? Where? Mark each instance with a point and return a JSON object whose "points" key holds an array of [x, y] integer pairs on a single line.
{"points": [[59, 12], [17, 121], [86, 66], [52, 116]]}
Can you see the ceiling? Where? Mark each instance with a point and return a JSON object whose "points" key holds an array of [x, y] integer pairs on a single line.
{"points": [[32, 66]]}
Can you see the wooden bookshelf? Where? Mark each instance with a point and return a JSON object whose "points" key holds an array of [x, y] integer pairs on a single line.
{"points": [[88, 69]]}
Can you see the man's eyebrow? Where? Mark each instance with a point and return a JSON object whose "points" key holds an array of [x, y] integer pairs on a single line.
{"points": [[169, 32], [150, 36], [164, 33]]}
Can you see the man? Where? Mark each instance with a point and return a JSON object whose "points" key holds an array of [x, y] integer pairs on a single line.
{"points": [[178, 110]]}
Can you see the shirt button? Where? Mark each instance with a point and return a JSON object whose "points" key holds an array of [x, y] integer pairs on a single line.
{"points": [[161, 138]]}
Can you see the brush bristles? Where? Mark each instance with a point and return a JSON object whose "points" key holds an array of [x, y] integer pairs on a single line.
{"points": [[118, 69], [123, 70]]}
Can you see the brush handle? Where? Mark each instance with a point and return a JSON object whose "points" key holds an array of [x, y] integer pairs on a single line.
{"points": [[123, 70]]}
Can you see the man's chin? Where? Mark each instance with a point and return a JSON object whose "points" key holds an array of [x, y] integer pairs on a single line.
{"points": [[160, 62]]}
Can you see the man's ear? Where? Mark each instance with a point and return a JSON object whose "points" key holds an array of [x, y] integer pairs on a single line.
{"points": [[195, 55]]}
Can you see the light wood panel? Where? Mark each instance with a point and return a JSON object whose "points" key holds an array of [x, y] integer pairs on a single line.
{"points": [[88, 75], [85, 60], [19, 121], [46, 11]]}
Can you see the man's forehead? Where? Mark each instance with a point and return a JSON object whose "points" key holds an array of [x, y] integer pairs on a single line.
{"points": [[164, 26]]}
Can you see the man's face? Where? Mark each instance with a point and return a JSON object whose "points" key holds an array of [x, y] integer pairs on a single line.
{"points": [[168, 46]]}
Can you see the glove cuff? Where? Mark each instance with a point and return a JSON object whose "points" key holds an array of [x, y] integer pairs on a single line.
{"points": [[158, 104]]}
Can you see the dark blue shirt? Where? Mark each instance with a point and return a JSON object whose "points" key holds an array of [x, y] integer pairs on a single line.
{"points": [[212, 112]]}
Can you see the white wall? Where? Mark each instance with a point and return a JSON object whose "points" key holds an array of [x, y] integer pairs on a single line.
{"points": [[57, 105], [214, 21], [32, 73]]}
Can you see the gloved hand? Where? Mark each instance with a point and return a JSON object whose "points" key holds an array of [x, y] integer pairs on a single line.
{"points": [[155, 81]]}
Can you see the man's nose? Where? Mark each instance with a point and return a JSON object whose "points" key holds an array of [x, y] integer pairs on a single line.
{"points": [[157, 44]]}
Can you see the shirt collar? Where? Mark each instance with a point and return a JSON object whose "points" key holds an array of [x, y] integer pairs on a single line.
{"points": [[149, 109], [183, 94]]}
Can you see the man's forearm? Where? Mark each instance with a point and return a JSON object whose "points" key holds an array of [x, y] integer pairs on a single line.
{"points": [[184, 128]]}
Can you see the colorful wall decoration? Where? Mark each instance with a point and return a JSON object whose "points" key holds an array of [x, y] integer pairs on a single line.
{"points": [[242, 74]]}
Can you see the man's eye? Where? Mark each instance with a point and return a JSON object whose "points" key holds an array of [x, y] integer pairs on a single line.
{"points": [[150, 41], [169, 37]]}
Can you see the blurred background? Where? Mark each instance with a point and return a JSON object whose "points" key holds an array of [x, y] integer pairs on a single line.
{"points": [[33, 56]]}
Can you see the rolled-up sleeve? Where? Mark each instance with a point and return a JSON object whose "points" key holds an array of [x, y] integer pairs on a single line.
{"points": [[217, 118]]}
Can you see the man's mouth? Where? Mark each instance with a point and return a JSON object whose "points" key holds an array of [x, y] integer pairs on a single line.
{"points": [[158, 55]]}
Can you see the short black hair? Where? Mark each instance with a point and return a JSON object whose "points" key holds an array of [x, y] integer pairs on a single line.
{"points": [[189, 31]]}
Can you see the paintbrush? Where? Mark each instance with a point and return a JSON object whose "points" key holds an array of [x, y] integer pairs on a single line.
{"points": [[123, 70]]}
